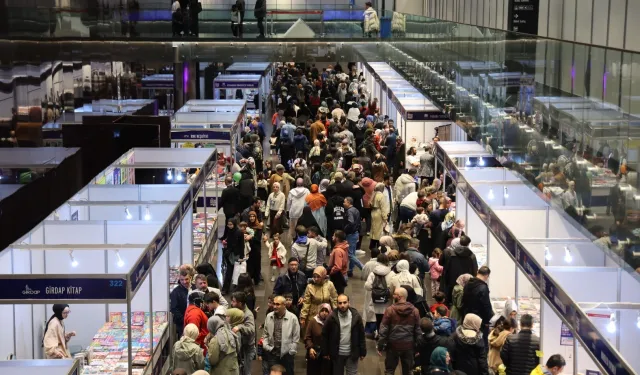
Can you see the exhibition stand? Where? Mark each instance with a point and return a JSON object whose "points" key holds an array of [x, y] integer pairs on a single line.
{"points": [[109, 252], [37, 367], [264, 69], [584, 300], [415, 116], [253, 88]]}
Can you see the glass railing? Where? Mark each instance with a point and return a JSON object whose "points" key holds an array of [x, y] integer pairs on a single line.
{"points": [[155, 21], [559, 113]]}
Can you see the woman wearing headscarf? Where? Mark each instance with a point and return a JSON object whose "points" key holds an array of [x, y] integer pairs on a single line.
{"points": [[379, 214], [456, 300], [468, 354], [255, 258], [55, 338], [439, 362], [235, 317], [319, 291], [223, 348], [187, 354], [388, 242], [316, 363], [418, 302], [232, 250], [307, 219], [404, 277], [398, 158], [275, 205], [317, 203]]}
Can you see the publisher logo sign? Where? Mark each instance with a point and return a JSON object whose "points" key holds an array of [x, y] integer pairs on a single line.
{"points": [[30, 291]]}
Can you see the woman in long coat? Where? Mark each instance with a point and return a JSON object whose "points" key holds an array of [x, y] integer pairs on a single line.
{"points": [[320, 291], [379, 214]]}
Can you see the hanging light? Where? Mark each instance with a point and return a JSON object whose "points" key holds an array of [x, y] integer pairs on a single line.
{"points": [[56, 215], [127, 213], [567, 255], [179, 176], [491, 196], [611, 326], [506, 192], [547, 253], [481, 162], [147, 214], [169, 175], [468, 163], [638, 320], [120, 262], [74, 262]]}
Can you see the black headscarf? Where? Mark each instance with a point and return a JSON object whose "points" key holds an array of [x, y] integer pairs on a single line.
{"points": [[58, 308], [308, 220]]}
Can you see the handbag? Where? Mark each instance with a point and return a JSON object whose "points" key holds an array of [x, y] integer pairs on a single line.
{"points": [[239, 267], [303, 263]]}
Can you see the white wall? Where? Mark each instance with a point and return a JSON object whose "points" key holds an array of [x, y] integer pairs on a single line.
{"points": [[485, 13]]}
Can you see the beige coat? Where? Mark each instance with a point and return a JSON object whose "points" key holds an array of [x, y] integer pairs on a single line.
{"points": [[316, 295], [379, 213], [55, 341]]}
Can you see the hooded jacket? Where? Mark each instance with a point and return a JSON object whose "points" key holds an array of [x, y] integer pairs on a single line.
{"points": [[404, 277], [187, 355], [460, 260], [430, 341], [400, 327], [196, 316], [331, 335], [336, 214], [405, 185], [443, 326], [496, 342], [306, 251], [370, 308], [475, 300], [468, 353], [296, 202], [519, 352], [339, 258]]}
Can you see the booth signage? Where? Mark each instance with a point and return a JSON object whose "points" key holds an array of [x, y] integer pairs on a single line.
{"points": [[529, 266], [523, 16], [477, 203], [197, 183], [502, 234], [211, 202], [140, 270], [566, 337], [185, 205], [426, 116], [451, 168], [237, 85], [62, 289], [159, 242], [600, 348], [440, 154], [194, 135], [557, 297], [174, 222]]}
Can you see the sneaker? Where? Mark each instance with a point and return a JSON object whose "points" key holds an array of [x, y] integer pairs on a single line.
{"points": [[360, 253], [273, 278], [350, 274]]}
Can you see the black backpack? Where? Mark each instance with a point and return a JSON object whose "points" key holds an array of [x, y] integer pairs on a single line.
{"points": [[379, 290]]}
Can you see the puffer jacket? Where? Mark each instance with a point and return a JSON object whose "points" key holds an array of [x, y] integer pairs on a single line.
{"points": [[316, 295], [296, 202], [400, 327], [468, 354], [187, 355], [475, 300], [519, 352], [405, 185], [371, 20], [370, 308], [443, 326], [398, 22], [195, 315]]}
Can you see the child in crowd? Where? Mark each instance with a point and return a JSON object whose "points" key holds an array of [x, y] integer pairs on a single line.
{"points": [[439, 297], [248, 235], [435, 270], [419, 221], [314, 232], [288, 302], [262, 191], [442, 325], [277, 254], [497, 338], [235, 19]]}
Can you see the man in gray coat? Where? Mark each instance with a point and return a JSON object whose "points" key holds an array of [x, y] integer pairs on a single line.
{"points": [[280, 336], [247, 330]]}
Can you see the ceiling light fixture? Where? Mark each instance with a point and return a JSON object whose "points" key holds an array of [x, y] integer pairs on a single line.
{"points": [[169, 175], [120, 262], [567, 255], [547, 253], [147, 214], [74, 262], [506, 192], [491, 196], [127, 213], [611, 326], [481, 162]]}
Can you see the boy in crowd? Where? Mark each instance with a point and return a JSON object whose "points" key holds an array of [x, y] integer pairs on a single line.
{"points": [[440, 299], [442, 325]]}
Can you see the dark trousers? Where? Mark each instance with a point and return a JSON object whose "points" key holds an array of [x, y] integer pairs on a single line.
{"points": [[272, 359], [405, 215], [234, 28], [227, 268], [261, 25], [344, 362], [338, 282], [405, 358], [379, 321]]}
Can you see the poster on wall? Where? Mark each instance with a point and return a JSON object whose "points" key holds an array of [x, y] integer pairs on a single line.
{"points": [[566, 337], [523, 16]]}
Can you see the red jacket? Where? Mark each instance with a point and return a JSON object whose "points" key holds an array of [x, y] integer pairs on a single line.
{"points": [[339, 258], [195, 315]]}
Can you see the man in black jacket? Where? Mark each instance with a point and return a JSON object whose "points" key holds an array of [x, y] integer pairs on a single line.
{"points": [[519, 351], [178, 298], [457, 260], [229, 199], [343, 338], [294, 282], [475, 300], [352, 230], [260, 12], [430, 341]]}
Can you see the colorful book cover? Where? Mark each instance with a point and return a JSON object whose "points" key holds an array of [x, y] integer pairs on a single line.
{"points": [[137, 318]]}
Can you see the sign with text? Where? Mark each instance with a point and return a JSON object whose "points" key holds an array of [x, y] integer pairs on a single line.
{"points": [[236, 85], [566, 337], [195, 135], [210, 202], [140, 270], [601, 349], [523, 16], [62, 289]]}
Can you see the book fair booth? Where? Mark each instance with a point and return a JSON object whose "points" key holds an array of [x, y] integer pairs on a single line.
{"points": [[249, 87], [552, 269], [109, 252], [414, 115]]}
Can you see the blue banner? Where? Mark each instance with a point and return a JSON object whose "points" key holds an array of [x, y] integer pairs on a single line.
{"points": [[601, 349], [174, 221], [440, 154], [502, 234], [159, 242], [140, 270], [483, 211], [185, 205], [62, 288], [426, 116], [557, 298], [529, 265]]}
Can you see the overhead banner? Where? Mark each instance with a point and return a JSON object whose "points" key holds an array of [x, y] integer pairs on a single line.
{"points": [[236, 85], [523, 16], [65, 288], [195, 135]]}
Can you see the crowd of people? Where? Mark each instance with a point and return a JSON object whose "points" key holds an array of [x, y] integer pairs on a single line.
{"points": [[339, 175]]}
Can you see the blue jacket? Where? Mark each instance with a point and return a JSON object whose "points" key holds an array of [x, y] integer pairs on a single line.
{"points": [[300, 142], [443, 326], [419, 260]]}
